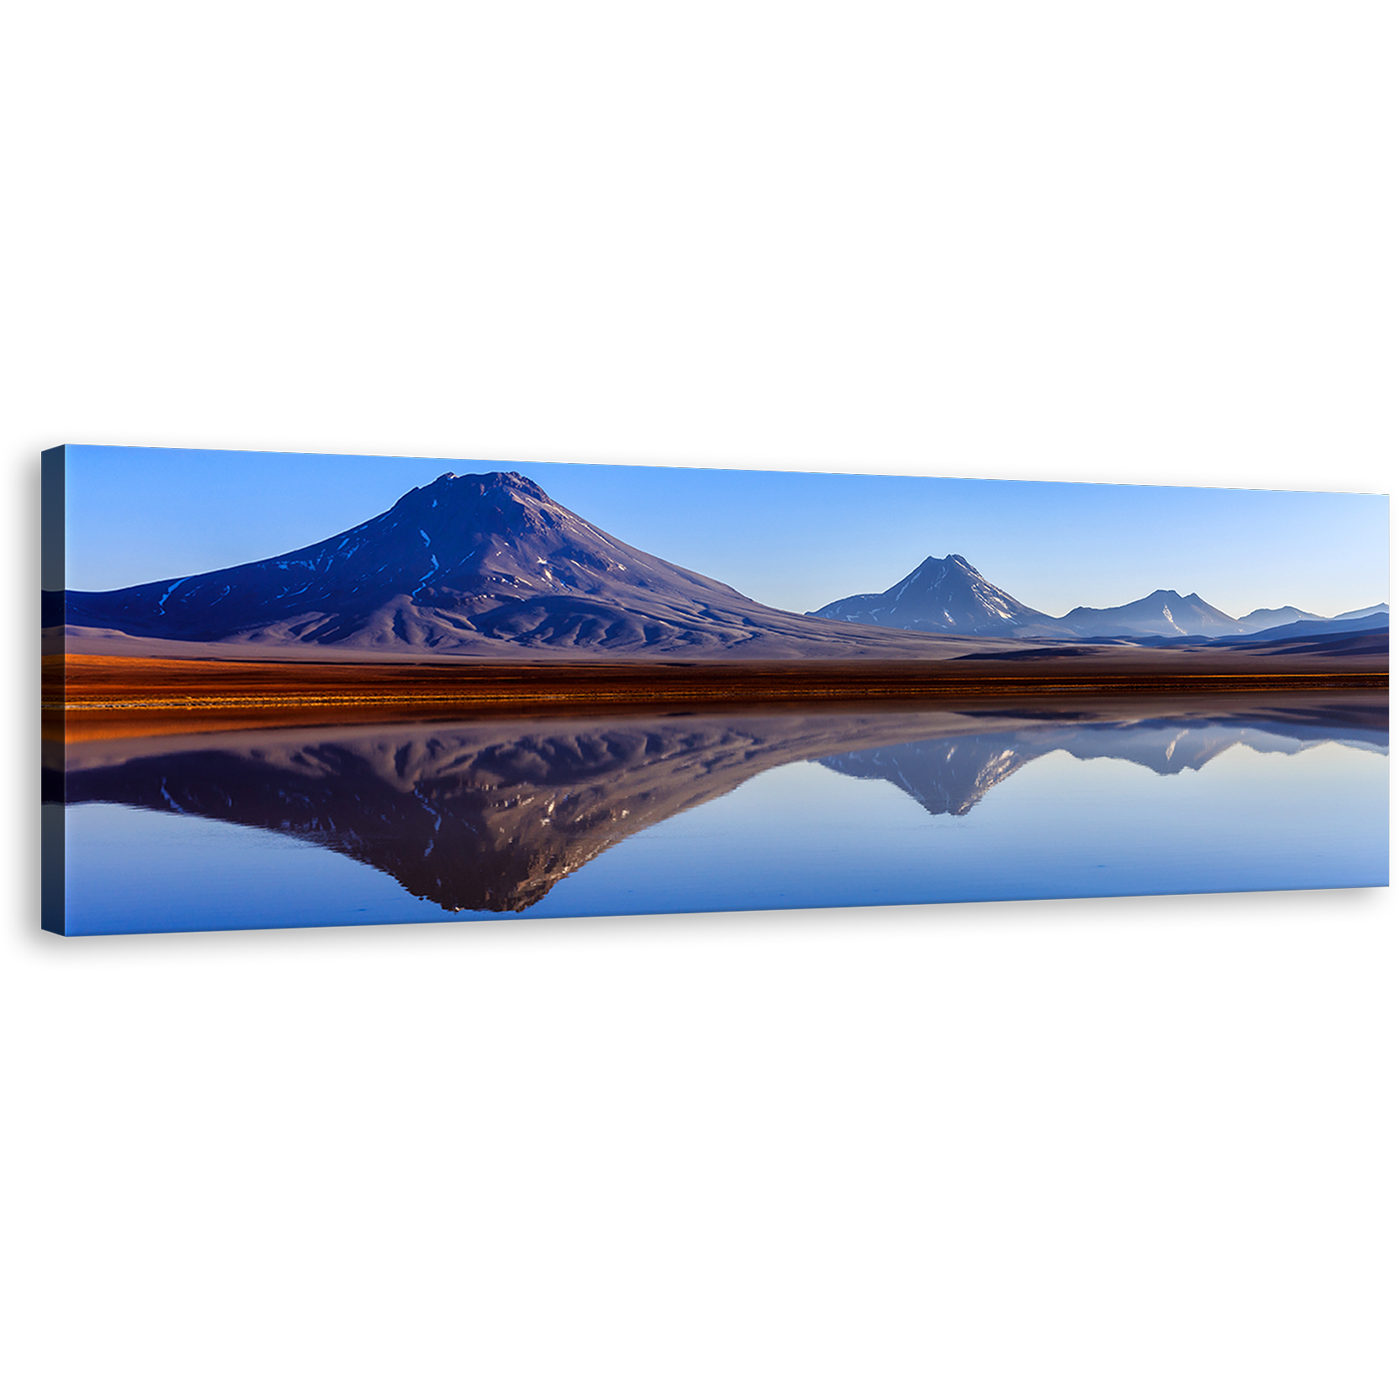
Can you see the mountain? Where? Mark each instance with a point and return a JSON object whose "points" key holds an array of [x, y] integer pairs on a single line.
{"points": [[490, 566], [948, 595], [1363, 612], [474, 565], [1261, 618], [1374, 625], [1161, 614], [944, 595]]}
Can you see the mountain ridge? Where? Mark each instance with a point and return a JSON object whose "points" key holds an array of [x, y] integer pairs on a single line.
{"points": [[489, 564], [923, 601], [474, 564]]}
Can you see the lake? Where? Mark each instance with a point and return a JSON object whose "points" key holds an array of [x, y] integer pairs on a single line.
{"points": [[630, 812]]}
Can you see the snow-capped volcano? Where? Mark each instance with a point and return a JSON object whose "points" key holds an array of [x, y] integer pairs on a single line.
{"points": [[476, 564], [945, 595]]}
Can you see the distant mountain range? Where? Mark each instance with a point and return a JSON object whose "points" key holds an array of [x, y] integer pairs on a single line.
{"points": [[490, 565], [949, 595]]}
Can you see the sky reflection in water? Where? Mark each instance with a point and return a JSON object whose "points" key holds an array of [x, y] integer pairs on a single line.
{"points": [[538, 818]]}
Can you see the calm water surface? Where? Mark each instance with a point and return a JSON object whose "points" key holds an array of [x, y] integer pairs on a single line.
{"points": [[777, 808]]}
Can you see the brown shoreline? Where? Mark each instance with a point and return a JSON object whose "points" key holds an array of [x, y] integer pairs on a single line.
{"points": [[90, 694], [104, 680]]}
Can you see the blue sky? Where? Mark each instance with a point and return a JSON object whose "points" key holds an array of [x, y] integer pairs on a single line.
{"points": [[794, 540]]}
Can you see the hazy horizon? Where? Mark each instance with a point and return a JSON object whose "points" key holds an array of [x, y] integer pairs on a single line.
{"points": [[792, 540]]}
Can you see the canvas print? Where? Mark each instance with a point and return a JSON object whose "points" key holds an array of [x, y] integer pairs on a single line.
{"points": [[289, 690]]}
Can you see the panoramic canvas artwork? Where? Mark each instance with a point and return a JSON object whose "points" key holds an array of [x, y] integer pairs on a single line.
{"points": [[290, 690]]}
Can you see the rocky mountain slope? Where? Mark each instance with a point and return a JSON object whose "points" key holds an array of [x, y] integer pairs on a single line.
{"points": [[945, 595], [473, 565]]}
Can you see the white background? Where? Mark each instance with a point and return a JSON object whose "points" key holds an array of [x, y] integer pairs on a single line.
{"points": [[1159, 1168], [888, 227]]}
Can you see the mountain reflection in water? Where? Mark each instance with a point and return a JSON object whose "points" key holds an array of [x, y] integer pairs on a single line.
{"points": [[490, 814], [952, 775]]}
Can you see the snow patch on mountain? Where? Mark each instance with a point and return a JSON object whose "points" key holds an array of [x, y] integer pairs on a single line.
{"points": [[161, 605]]}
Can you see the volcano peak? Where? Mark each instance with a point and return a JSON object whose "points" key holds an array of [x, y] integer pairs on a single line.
{"points": [[943, 595]]}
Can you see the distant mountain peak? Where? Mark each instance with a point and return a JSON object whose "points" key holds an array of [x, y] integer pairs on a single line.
{"points": [[943, 595], [1184, 615]]}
